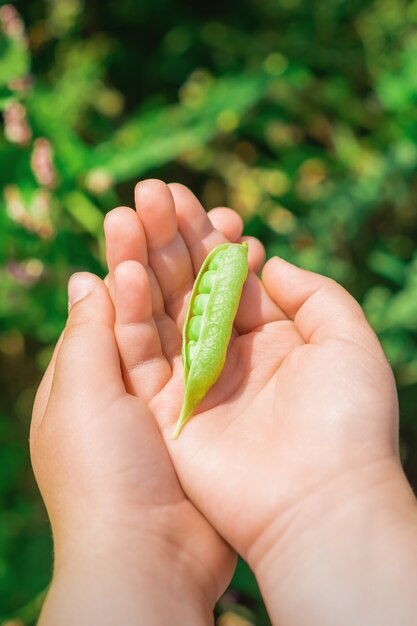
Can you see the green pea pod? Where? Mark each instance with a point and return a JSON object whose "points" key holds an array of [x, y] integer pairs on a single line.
{"points": [[209, 321]]}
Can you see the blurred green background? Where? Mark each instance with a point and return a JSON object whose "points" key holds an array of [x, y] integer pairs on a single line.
{"points": [[300, 114]]}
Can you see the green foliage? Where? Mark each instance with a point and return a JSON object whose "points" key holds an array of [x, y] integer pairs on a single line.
{"points": [[301, 115]]}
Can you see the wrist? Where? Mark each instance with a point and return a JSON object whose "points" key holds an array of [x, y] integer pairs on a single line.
{"points": [[127, 577], [346, 551]]}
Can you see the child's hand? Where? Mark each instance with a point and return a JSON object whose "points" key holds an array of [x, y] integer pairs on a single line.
{"points": [[294, 450], [129, 546]]}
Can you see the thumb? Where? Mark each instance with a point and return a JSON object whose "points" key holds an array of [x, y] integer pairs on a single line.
{"points": [[88, 359], [320, 307]]}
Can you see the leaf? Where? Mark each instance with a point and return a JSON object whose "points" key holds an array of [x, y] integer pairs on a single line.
{"points": [[14, 59], [387, 265], [152, 139], [87, 214]]}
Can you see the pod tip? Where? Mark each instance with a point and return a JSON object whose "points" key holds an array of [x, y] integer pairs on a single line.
{"points": [[176, 432], [178, 427], [182, 420]]}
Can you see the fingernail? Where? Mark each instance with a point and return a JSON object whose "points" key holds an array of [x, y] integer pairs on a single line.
{"points": [[79, 286]]}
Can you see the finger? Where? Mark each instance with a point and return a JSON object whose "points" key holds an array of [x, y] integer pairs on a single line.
{"points": [[227, 222], [230, 224], [145, 368], [125, 241], [44, 389], [194, 225], [87, 364], [125, 238], [256, 253], [197, 228], [167, 252], [320, 307], [256, 307]]}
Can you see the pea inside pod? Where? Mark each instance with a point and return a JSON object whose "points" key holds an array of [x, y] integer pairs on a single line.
{"points": [[209, 321]]}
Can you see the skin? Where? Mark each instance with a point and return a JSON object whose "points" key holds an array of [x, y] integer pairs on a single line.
{"points": [[129, 546], [293, 455], [292, 458]]}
